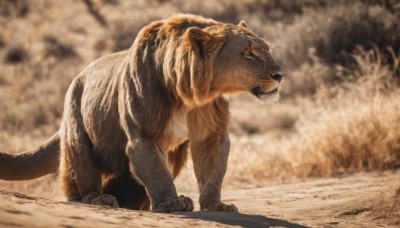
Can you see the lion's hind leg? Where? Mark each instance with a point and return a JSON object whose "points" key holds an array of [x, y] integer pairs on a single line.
{"points": [[79, 174], [80, 177]]}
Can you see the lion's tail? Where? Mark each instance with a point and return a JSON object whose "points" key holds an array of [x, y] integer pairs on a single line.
{"points": [[31, 164]]}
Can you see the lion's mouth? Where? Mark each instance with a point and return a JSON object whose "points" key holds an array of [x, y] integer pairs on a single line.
{"points": [[258, 92]]}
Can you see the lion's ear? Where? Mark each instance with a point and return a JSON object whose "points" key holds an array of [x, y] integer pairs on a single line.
{"points": [[198, 39], [203, 43], [242, 24], [204, 49]]}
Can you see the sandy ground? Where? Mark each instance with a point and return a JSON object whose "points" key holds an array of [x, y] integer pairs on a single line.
{"points": [[331, 202]]}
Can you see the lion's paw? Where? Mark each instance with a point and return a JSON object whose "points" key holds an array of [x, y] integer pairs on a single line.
{"points": [[219, 206], [100, 199], [181, 203]]}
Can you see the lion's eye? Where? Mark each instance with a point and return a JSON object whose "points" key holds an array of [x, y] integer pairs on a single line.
{"points": [[249, 55]]}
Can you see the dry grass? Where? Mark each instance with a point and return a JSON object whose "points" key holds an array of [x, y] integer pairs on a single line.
{"points": [[353, 128]]}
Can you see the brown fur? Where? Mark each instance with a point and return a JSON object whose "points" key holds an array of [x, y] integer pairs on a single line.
{"points": [[130, 118]]}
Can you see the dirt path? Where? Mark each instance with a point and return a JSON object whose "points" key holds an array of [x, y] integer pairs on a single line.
{"points": [[332, 202]]}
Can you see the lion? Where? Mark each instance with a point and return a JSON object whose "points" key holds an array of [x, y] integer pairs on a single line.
{"points": [[131, 118]]}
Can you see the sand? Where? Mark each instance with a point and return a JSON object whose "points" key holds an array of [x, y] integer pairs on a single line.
{"points": [[351, 201]]}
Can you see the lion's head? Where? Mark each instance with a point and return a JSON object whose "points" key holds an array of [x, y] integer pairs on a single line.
{"points": [[225, 58]]}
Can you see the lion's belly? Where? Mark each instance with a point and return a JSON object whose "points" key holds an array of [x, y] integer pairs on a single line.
{"points": [[175, 133]]}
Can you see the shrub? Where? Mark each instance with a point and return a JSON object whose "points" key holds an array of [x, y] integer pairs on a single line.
{"points": [[16, 53], [57, 49], [334, 33], [10, 8]]}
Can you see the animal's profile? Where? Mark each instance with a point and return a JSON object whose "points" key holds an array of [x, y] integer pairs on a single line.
{"points": [[130, 118]]}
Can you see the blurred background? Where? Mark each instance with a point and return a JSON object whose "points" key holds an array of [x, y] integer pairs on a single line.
{"points": [[338, 114]]}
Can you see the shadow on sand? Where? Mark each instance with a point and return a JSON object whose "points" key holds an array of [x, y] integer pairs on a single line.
{"points": [[239, 219]]}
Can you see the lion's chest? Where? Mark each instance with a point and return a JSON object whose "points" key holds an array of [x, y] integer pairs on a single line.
{"points": [[176, 131]]}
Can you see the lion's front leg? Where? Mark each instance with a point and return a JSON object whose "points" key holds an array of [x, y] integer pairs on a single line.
{"points": [[210, 158], [148, 164]]}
